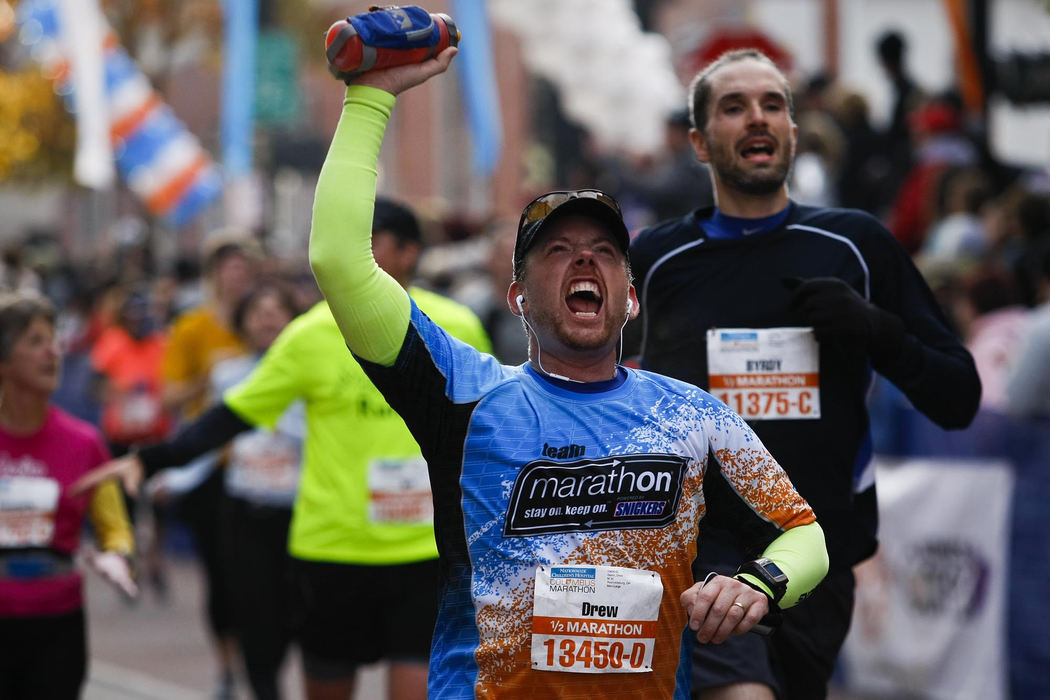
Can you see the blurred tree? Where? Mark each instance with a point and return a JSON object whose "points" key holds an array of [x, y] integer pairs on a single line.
{"points": [[37, 134], [308, 20], [164, 36]]}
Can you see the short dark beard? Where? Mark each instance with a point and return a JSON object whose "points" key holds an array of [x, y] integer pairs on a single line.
{"points": [[759, 183], [756, 183], [555, 330], [762, 182]]}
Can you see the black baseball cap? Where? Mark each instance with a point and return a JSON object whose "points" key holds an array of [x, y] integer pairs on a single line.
{"points": [[550, 207]]}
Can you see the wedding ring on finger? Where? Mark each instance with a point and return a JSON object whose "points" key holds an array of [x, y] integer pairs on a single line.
{"points": [[739, 606]]}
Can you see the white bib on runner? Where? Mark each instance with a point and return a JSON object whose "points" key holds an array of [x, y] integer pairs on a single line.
{"points": [[264, 465], [399, 492], [595, 619], [765, 373], [138, 411], [28, 505]]}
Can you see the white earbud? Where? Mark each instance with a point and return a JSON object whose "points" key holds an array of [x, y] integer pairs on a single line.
{"points": [[630, 306], [518, 301]]}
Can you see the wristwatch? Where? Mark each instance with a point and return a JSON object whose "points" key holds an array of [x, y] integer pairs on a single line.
{"points": [[767, 573]]}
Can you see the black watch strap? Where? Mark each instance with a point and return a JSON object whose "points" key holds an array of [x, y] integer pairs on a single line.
{"points": [[768, 573]]}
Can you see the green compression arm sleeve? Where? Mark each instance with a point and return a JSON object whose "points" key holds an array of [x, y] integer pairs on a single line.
{"points": [[801, 554], [371, 308]]}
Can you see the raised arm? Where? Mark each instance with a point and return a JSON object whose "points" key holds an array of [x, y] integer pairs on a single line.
{"points": [[371, 308]]}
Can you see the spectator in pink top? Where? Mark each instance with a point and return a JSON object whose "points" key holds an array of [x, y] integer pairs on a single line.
{"points": [[43, 649]]}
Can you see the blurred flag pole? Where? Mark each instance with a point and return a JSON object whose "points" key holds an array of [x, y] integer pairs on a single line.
{"points": [[967, 61], [478, 80], [238, 111], [83, 32]]}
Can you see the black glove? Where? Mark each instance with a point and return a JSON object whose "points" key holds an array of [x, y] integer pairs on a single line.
{"points": [[839, 314]]}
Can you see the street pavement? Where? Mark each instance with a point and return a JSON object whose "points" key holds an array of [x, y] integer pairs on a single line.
{"points": [[157, 649]]}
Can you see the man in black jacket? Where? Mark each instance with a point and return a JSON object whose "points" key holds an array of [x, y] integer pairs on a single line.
{"points": [[784, 312]]}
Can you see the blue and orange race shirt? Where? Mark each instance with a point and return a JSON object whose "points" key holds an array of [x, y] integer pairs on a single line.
{"points": [[567, 518]]}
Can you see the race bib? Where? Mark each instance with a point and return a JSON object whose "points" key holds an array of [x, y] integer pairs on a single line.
{"points": [[134, 417], [264, 464], [399, 492], [595, 619], [139, 412], [766, 373], [28, 506]]}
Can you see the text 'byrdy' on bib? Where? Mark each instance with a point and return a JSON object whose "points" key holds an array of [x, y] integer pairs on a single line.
{"points": [[765, 373], [595, 619]]}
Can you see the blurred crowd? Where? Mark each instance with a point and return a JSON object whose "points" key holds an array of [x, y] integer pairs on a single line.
{"points": [[124, 286], [979, 229]]}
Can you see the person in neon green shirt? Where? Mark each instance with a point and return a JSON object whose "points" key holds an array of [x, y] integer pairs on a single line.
{"points": [[362, 535]]}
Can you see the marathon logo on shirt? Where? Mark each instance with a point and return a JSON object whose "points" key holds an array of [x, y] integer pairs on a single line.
{"points": [[619, 492]]}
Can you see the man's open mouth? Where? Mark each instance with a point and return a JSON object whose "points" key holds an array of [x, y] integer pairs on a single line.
{"points": [[584, 298], [758, 150]]}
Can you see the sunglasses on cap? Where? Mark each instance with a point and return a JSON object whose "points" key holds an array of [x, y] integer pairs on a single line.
{"points": [[593, 204], [541, 207]]}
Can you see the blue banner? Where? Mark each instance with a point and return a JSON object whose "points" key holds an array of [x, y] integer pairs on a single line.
{"points": [[238, 86], [478, 81]]}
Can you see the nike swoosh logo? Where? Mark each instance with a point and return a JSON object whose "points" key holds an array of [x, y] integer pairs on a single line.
{"points": [[749, 231]]}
